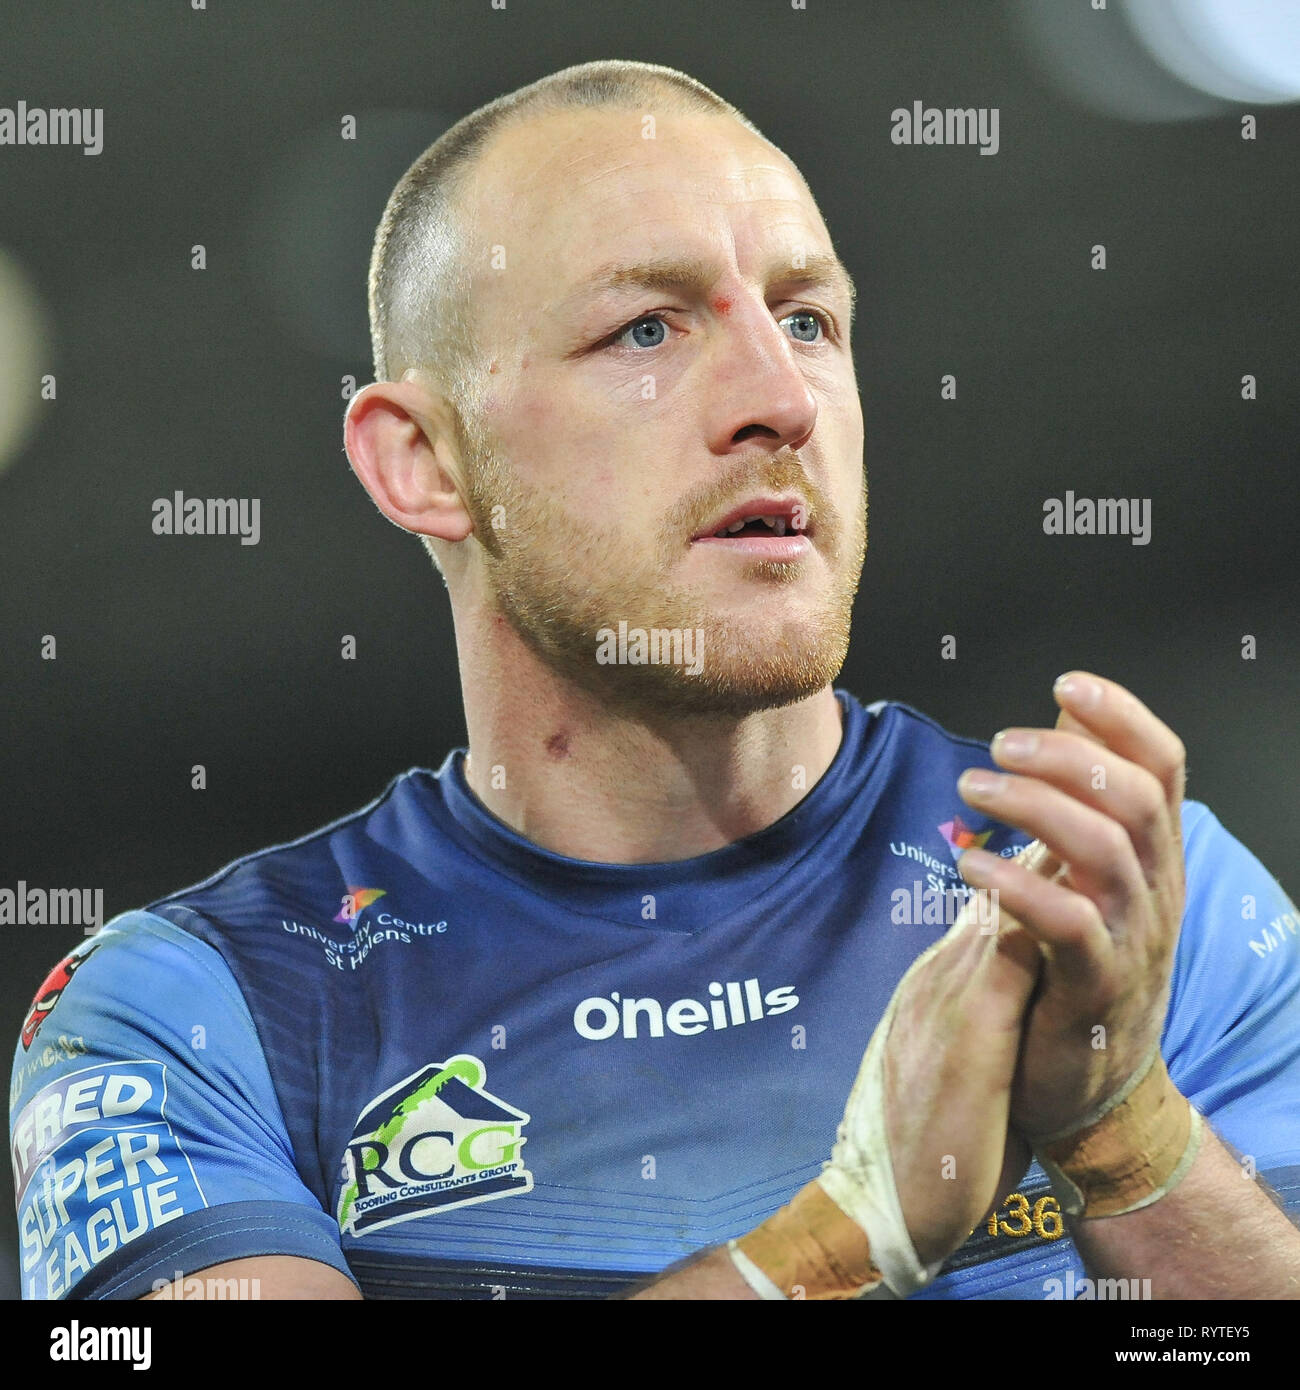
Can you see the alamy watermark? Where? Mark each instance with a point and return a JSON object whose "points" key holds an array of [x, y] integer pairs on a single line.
{"points": [[96, 1343], [183, 1286], [936, 905], [1084, 1290], [1101, 516], [52, 907], [60, 125], [179, 515], [949, 125], [656, 646]]}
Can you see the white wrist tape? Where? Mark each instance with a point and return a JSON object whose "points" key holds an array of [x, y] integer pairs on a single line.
{"points": [[860, 1174], [752, 1275], [1129, 1151]]}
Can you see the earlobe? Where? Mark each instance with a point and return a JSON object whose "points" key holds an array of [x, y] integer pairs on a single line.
{"points": [[401, 447]]}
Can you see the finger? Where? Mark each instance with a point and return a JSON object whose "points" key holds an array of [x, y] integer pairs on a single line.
{"points": [[1100, 856], [1057, 917], [1099, 778], [1125, 724], [1016, 958], [997, 991], [986, 958], [1068, 724]]}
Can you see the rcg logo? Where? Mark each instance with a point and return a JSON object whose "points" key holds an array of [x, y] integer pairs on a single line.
{"points": [[438, 1139]]}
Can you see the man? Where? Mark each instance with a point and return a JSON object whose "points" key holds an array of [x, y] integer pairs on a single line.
{"points": [[590, 1002]]}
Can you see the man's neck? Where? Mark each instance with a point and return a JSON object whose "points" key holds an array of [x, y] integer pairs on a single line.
{"points": [[592, 782]]}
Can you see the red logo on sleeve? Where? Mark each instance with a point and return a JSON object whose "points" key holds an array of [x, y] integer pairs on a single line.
{"points": [[49, 994]]}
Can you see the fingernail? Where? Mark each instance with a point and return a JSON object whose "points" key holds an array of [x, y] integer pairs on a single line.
{"points": [[1015, 743], [977, 782], [1079, 691]]}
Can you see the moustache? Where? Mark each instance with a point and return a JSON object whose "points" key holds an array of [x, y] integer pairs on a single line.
{"points": [[783, 472]]}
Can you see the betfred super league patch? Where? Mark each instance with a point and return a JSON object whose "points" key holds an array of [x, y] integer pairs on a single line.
{"points": [[96, 1165]]}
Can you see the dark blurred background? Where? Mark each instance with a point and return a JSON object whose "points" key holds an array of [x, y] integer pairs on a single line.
{"points": [[222, 128]]}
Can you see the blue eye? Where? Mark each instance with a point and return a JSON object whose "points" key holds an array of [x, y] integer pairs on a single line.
{"points": [[650, 330], [805, 320], [637, 331]]}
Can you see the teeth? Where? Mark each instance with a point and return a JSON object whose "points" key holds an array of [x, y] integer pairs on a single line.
{"points": [[778, 524]]}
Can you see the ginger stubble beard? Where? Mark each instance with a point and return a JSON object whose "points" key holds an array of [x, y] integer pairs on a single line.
{"points": [[558, 587]]}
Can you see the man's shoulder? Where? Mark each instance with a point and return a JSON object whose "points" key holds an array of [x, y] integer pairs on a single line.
{"points": [[140, 988], [1240, 937], [262, 923]]}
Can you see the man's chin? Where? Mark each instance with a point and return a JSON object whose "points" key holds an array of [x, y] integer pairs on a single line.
{"points": [[724, 683], [737, 698], [680, 656]]}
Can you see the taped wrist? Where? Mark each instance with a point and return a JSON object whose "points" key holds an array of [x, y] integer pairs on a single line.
{"points": [[808, 1249], [1129, 1152], [818, 1247]]}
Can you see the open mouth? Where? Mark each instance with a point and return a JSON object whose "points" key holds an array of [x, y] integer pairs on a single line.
{"points": [[778, 527], [755, 526]]}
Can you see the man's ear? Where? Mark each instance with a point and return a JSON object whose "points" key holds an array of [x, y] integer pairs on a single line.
{"points": [[401, 442]]}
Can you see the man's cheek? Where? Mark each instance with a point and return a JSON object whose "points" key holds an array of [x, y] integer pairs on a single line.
{"points": [[520, 415]]}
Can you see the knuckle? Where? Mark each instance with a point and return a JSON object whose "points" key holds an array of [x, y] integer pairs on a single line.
{"points": [[1115, 841], [1080, 921], [1091, 922], [1150, 802], [1175, 759]]}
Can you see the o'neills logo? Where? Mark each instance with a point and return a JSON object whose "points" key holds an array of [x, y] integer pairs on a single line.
{"points": [[728, 1006]]}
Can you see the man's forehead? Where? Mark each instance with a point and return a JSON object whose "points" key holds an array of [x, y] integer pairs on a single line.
{"points": [[600, 149], [586, 191]]}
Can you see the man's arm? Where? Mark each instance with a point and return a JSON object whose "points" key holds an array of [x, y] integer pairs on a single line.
{"points": [[183, 1119], [708, 1275], [262, 1276], [1216, 1235]]}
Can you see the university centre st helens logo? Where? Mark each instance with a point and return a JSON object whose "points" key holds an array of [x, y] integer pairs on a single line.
{"points": [[434, 1141], [961, 837], [355, 902]]}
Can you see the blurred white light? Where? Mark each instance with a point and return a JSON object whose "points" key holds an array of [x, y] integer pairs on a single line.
{"points": [[1239, 50], [24, 333]]}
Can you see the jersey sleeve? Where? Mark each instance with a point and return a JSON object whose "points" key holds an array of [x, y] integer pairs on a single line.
{"points": [[1232, 1035], [146, 1135]]}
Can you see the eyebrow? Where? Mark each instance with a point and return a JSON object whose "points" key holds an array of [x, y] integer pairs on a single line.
{"points": [[694, 275]]}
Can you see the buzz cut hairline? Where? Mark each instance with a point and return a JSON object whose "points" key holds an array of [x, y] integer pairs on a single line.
{"points": [[419, 281]]}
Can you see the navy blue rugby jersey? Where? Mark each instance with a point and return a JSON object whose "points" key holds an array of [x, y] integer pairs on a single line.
{"points": [[418, 1048]]}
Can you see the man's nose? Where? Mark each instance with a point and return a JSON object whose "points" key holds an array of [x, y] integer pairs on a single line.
{"points": [[757, 386]]}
